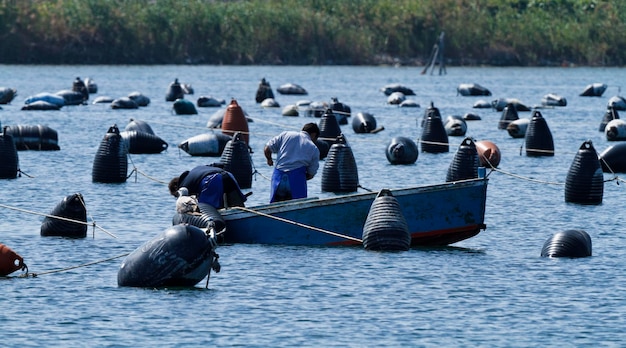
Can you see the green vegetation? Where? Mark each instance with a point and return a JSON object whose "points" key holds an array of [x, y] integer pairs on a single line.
{"points": [[496, 32]]}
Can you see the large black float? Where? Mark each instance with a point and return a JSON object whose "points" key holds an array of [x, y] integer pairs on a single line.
{"points": [[9, 165], [67, 219], [569, 243], [434, 137], [538, 139], [402, 150], [39, 137], [385, 227], [110, 164], [236, 159], [181, 256], [465, 163], [340, 172], [585, 182]]}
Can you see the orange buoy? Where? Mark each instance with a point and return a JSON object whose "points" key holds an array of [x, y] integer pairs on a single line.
{"points": [[488, 153], [235, 121], [10, 261]]}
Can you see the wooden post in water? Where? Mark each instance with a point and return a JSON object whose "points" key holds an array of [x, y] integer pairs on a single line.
{"points": [[436, 57]]}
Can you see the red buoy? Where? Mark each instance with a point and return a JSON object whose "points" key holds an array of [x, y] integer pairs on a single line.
{"points": [[488, 153], [10, 261], [235, 121]]}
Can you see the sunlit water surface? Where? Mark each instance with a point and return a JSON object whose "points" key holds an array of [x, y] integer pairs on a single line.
{"points": [[491, 290]]}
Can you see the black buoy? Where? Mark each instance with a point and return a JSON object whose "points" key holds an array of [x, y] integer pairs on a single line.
{"points": [[39, 137], [613, 159], [264, 91], [110, 164], [402, 150], [174, 91], [465, 164], [124, 103], [208, 214], [72, 207], [142, 142], [434, 136], [329, 127], [184, 107], [79, 86], [385, 227], [363, 122], [538, 137], [9, 160], [569, 243], [340, 171], [139, 99], [509, 114], [341, 110], [594, 90], [585, 182], [182, 256], [139, 126], [236, 160], [610, 115], [323, 147]]}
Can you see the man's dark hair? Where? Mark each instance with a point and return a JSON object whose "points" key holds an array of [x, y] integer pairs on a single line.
{"points": [[311, 128], [173, 186]]}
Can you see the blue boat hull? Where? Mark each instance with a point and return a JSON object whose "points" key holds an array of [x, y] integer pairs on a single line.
{"points": [[440, 214]]}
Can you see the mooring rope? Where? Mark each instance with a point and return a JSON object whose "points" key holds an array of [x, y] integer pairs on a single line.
{"points": [[34, 275], [299, 224], [93, 223]]}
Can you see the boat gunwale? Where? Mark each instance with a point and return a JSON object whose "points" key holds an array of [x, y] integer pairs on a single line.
{"points": [[235, 213]]}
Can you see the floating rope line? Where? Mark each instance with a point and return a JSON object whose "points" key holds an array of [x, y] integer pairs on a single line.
{"points": [[299, 224], [527, 178], [177, 125], [59, 218], [34, 275]]}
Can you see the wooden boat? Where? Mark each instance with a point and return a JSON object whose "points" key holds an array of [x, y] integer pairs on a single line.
{"points": [[436, 215]]}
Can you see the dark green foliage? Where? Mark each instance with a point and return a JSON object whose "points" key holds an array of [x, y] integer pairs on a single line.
{"points": [[497, 32]]}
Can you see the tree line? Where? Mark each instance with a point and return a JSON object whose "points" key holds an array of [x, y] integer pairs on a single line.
{"points": [[313, 32]]}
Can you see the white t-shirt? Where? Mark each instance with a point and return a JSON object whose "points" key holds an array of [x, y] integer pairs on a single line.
{"points": [[295, 150]]}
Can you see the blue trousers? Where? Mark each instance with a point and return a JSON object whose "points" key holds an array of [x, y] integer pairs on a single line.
{"points": [[212, 191], [288, 185]]}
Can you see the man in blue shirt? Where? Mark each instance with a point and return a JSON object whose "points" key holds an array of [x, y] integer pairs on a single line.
{"points": [[210, 184], [297, 160]]}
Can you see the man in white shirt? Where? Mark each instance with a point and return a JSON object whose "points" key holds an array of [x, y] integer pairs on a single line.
{"points": [[297, 160]]}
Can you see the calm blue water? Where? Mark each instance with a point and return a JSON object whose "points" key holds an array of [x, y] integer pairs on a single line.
{"points": [[491, 290]]}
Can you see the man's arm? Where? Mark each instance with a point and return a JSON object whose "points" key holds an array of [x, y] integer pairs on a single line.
{"points": [[268, 156]]}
